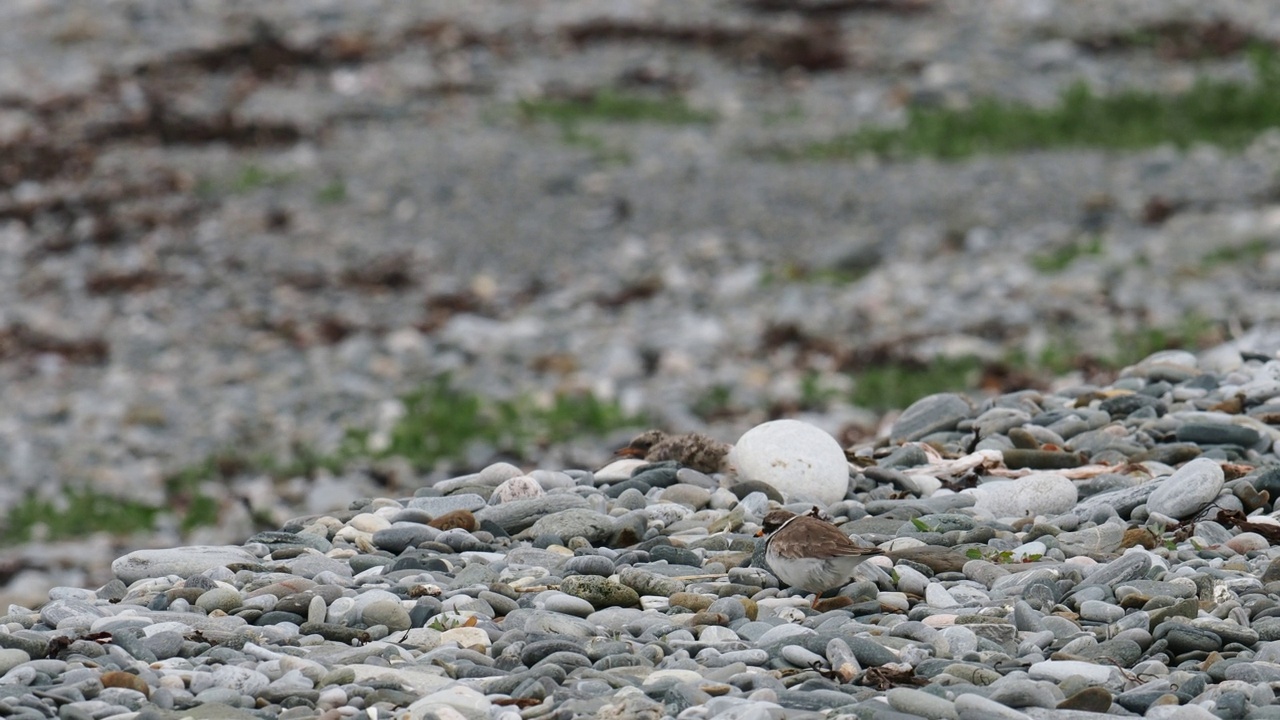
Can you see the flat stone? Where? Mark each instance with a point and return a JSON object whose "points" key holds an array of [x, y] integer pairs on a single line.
{"points": [[975, 707], [928, 415], [182, 561], [1123, 501], [1035, 494], [437, 506], [1208, 433], [1187, 490], [519, 515], [1091, 699], [574, 522]]}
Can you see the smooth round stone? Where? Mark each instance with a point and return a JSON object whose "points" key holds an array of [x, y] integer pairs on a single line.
{"points": [[1027, 551], [800, 460], [667, 513], [731, 607], [519, 515], [687, 495], [574, 522], [675, 555], [435, 507], [1210, 433], [387, 612], [466, 637], [750, 656], [1059, 670], [521, 487], [1247, 542], [689, 476], [1188, 489], [1100, 611], [1035, 494], [588, 565], [600, 592], [403, 535], [631, 499], [869, 653], [568, 605], [1133, 565], [918, 702], [182, 561], [960, 640], [552, 479], [928, 415], [938, 597], [911, 580], [241, 680], [692, 601], [1184, 638], [369, 523], [802, 657], [219, 598], [1099, 540], [1090, 699], [650, 583], [11, 658]]}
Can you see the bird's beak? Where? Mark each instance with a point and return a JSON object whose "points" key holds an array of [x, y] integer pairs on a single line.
{"points": [[760, 532], [628, 452]]}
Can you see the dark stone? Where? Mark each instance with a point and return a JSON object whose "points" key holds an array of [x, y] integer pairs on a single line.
{"points": [[1093, 699], [674, 555], [1217, 434], [745, 488], [1041, 459], [1121, 405], [275, 617]]}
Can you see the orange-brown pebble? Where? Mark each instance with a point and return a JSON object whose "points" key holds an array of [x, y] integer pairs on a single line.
{"points": [[457, 519], [121, 679]]}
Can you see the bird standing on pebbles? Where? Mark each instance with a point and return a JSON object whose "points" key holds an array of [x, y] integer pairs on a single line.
{"points": [[813, 555], [692, 450]]}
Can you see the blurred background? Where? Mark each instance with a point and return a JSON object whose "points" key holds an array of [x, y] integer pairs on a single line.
{"points": [[260, 259]]}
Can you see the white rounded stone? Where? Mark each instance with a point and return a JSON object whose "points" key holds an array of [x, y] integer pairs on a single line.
{"points": [[802, 461], [466, 637], [1036, 494], [519, 487]]}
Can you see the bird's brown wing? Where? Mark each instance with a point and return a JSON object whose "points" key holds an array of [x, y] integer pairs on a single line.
{"points": [[822, 540]]}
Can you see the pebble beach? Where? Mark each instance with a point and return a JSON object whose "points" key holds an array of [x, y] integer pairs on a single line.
{"points": [[1098, 551], [231, 234]]}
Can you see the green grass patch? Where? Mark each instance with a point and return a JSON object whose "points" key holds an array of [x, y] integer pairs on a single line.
{"points": [[441, 422], [75, 513], [1064, 354], [792, 113], [896, 385], [716, 403], [252, 177], [1060, 258], [332, 194], [613, 106], [1193, 333], [1249, 253], [571, 134], [609, 106], [1224, 113]]}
